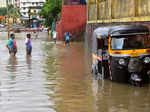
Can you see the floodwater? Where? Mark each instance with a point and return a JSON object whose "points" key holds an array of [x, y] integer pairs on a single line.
{"points": [[57, 78]]}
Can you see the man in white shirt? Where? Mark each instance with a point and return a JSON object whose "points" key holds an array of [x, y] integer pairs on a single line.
{"points": [[54, 36]]}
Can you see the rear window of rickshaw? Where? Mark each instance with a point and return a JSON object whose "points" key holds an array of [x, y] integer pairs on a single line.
{"points": [[130, 42], [102, 44]]}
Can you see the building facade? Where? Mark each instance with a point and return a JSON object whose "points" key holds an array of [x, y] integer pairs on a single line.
{"points": [[2, 3], [16, 3], [27, 5]]}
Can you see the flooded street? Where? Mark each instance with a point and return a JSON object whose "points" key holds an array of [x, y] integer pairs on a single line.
{"points": [[57, 78]]}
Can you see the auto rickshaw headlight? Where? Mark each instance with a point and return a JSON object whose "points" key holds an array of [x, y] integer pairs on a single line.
{"points": [[122, 62], [147, 60]]}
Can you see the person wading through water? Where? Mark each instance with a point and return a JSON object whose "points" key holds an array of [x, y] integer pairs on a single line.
{"points": [[54, 36], [28, 44], [11, 45], [67, 38]]}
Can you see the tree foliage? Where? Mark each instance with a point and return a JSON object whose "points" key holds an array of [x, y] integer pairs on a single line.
{"points": [[3, 11], [50, 11], [13, 12]]}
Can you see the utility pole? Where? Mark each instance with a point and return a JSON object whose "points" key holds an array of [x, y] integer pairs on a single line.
{"points": [[7, 17]]}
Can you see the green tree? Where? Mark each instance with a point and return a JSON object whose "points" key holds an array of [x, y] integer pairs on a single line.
{"points": [[50, 11], [3, 11], [13, 12]]}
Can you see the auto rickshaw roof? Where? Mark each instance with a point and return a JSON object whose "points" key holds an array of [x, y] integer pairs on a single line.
{"points": [[128, 30], [102, 32]]}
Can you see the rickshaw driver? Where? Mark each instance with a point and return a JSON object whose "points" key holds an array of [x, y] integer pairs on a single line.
{"points": [[139, 41], [134, 43]]}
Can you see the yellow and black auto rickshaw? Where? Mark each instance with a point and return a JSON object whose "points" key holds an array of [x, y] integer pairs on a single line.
{"points": [[122, 53]]}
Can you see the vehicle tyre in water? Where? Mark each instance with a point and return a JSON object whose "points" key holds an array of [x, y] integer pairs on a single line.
{"points": [[118, 74]]}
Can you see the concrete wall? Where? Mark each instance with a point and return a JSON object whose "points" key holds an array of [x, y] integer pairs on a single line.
{"points": [[73, 20]]}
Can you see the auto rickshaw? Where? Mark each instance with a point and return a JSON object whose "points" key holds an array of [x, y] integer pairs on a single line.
{"points": [[122, 53]]}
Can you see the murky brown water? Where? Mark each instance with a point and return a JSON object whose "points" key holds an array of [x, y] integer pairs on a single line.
{"points": [[57, 79]]}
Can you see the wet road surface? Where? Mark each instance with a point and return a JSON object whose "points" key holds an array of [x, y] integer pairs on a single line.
{"points": [[58, 79]]}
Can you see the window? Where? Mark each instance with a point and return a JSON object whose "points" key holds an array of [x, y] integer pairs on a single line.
{"points": [[117, 43], [130, 42]]}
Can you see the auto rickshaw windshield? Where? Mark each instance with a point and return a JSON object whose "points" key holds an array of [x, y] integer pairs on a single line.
{"points": [[130, 42]]}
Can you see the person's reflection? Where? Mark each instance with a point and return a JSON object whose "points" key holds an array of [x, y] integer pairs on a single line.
{"points": [[12, 64], [67, 52], [29, 61], [9, 84], [97, 86]]}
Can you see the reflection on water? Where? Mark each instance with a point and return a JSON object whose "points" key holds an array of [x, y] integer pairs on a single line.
{"points": [[29, 65], [116, 97], [57, 78], [29, 61], [12, 64], [23, 81], [73, 91]]}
